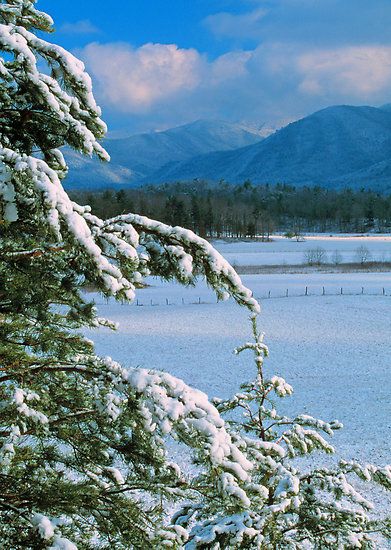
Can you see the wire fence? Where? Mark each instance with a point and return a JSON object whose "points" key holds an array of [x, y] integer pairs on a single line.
{"points": [[322, 291], [275, 294]]}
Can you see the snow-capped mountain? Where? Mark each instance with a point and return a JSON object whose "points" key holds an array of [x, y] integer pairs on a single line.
{"points": [[136, 157], [337, 146]]}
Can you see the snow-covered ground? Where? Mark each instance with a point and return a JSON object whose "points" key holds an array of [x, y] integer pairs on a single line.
{"points": [[277, 284], [288, 251], [335, 350]]}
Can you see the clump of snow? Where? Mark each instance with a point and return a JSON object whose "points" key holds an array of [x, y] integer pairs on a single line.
{"points": [[20, 399], [60, 543], [8, 195], [7, 450], [44, 526], [281, 387], [116, 475]]}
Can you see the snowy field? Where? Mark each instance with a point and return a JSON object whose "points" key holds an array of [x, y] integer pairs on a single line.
{"points": [[288, 251], [334, 349]]}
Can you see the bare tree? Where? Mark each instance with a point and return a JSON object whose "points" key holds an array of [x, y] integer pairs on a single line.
{"points": [[315, 256], [336, 257], [363, 254]]}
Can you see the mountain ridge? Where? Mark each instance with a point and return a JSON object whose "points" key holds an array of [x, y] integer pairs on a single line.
{"points": [[136, 157], [336, 146], [339, 146]]}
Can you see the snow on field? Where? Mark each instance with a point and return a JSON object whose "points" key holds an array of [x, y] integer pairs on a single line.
{"points": [[334, 349], [277, 284], [282, 250], [332, 283]]}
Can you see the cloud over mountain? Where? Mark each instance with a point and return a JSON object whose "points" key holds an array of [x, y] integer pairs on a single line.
{"points": [[360, 71], [158, 65], [133, 79], [164, 85]]}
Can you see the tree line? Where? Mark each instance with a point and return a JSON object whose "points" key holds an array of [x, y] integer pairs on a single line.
{"points": [[248, 210]]}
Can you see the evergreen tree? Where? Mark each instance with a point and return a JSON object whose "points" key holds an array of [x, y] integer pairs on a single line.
{"points": [[84, 443], [196, 215], [286, 504], [175, 213], [82, 448], [209, 217]]}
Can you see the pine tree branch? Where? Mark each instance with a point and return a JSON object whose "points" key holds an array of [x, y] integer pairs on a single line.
{"points": [[35, 253]]}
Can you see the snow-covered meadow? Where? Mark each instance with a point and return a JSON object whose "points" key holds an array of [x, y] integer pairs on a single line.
{"points": [[335, 350], [280, 250]]}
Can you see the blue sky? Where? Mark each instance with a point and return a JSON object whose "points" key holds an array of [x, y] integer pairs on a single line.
{"points": [[161, 63]]}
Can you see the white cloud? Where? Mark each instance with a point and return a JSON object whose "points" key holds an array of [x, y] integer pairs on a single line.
{"points": [[134, 79], [161, 85], [360, 71], [236, 26], [84, 26], [230, 66]]}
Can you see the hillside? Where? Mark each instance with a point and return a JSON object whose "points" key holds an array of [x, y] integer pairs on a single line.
{"points": [[337, 146], [136, 157]]}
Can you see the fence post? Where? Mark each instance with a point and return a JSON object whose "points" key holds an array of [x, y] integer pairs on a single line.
{"points": [[269, 294], [384, 291], [199, 299], [183, 301], [341, 290], [323, 291], [287, 293], [362, 290], [167, 302], [306, 290]]}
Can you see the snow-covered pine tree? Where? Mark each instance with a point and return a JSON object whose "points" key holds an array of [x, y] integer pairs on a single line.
{"points": [[82, 440], [291, 504], [83, 455]]}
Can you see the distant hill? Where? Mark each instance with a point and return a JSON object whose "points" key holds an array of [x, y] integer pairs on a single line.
{"points": [[134, 158], [334, 147], [90, 173]]}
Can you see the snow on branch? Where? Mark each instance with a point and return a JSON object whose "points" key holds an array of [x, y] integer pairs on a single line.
{"points": [[128, 242], [30, 17], [190, 252], [168, 406], [60, 213], [77, 110]]}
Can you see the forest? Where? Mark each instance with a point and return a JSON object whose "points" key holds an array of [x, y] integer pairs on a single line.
{"points": [[247, 210]]}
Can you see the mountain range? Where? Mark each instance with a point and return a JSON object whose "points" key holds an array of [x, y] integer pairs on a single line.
{"points": [[135, 158], [338, 146]]}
